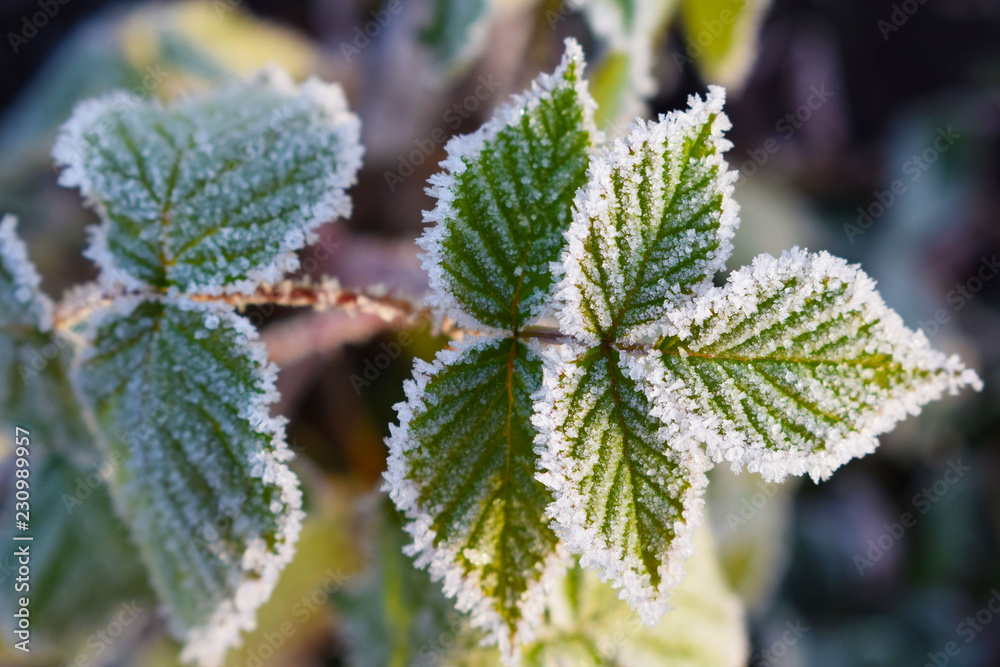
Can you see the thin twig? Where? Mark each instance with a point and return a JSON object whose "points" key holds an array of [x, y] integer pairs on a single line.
{"points": [[81, 302]]}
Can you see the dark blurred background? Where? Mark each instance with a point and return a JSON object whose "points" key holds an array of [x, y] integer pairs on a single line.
{"points": [[856, 132]]}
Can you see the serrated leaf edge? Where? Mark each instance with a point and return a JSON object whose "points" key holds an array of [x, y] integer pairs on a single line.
{"points": [[337, 204], [910, 347], [207, 644], [438, 562], [27, 282], [465, 147], [591, 200], [555, 472]]}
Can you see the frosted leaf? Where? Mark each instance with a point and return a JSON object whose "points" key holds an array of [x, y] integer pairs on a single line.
{"points": [[395, 615], [83, 566], [795, 366], [35, 392], [217, 191], [462, 468], [504, 201], [202, 481], [22, 303], [652, 226], [705, 626], [624, 500]]}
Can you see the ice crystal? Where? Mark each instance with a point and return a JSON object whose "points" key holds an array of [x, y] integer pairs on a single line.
{"points": [[203, 478], [794, 367], [462, 468], [209, 196], [216, 192], [504, 201], [652, 226], [461, 462]]}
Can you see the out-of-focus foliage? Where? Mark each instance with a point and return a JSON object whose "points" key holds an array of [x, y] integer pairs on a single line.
{"points": [[721, 37], [155, 51], [456, 30], [396, 616], [84, 570]]}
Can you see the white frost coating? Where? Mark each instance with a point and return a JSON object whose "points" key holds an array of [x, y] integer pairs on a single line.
{"points": [[253, 582], [733, 323], [207, 644], [26, 288], [465, 148], [563, 474], [441, 561], [586, 307], [145, 193]]}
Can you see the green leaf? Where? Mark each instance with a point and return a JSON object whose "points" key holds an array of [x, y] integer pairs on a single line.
{"points": [[796, 366], [722, 37], [462, 468], [624, 500], [395, 616], [83, 566], [35, 391], [652, 226], [180, 392], [456, 30], [216, 192], [504, 202], [588, 625]]}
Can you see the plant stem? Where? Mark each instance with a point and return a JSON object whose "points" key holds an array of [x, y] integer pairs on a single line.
{"points": [[82, 302]]}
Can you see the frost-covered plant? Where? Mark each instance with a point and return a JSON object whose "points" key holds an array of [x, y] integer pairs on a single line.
{"points": [[608, 371], [601, 374], [202, 205]]}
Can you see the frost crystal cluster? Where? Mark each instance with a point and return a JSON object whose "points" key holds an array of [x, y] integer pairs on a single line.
{"points": [[531, 442], [205, 198]]}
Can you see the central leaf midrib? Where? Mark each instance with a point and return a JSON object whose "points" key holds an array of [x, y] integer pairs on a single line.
{"points": [[648, 559], [661, 230], [682, 353]]}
